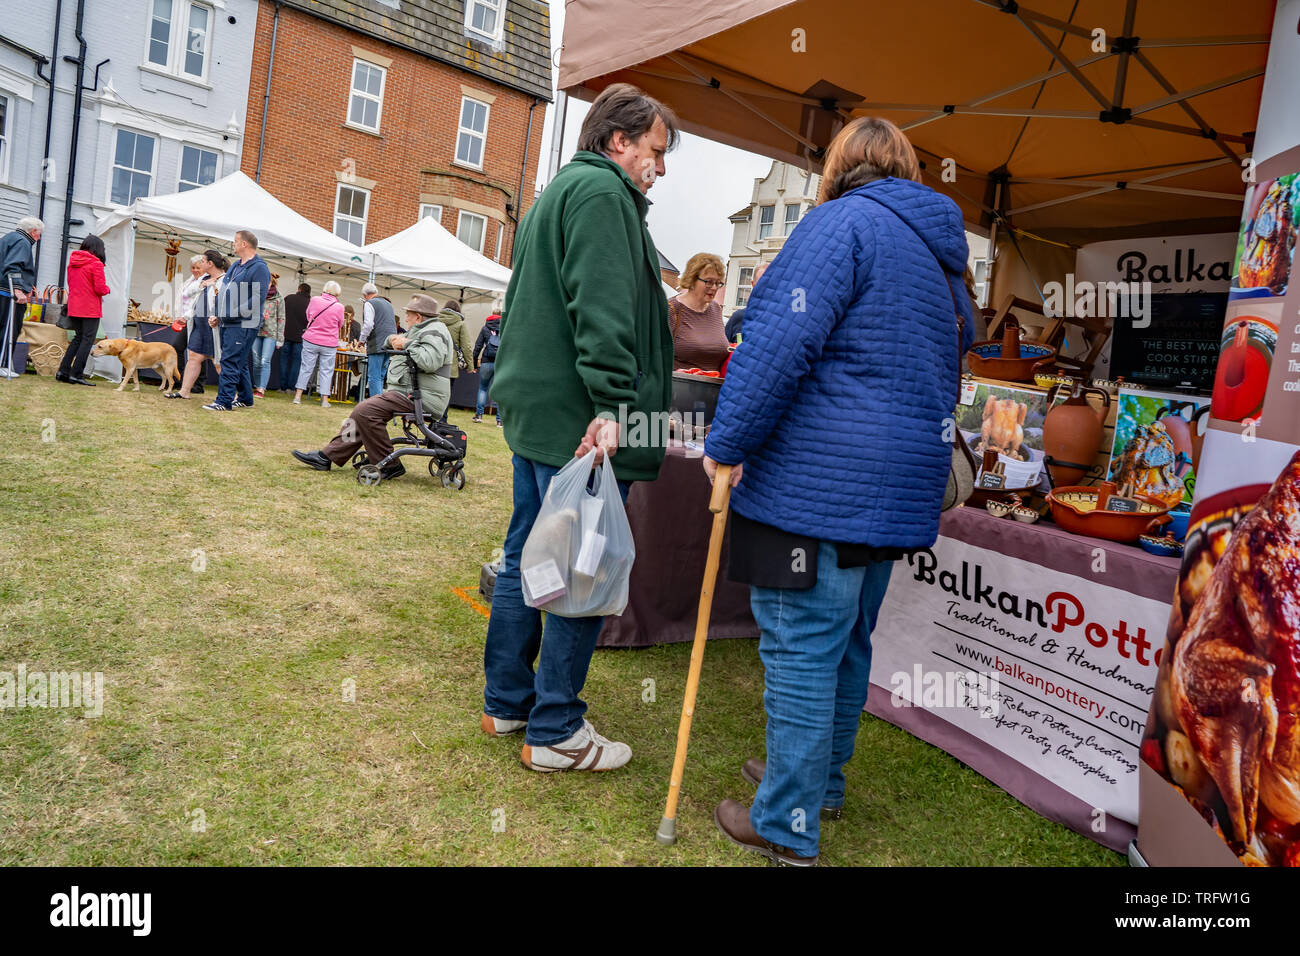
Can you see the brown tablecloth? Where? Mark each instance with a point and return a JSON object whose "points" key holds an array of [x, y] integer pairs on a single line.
{"points": [[670, 522]]}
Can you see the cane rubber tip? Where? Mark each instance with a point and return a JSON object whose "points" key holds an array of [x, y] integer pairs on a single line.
{"points": [[667, 832]]}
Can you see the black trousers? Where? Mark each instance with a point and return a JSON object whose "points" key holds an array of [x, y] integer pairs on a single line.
{"points": [[19, 310], [83, 340]]}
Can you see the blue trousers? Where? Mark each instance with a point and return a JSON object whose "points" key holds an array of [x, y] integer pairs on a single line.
{"points": [[485, 371], [376, 372], [546, 697], [816, 651], [236, 380], [263, 352]]}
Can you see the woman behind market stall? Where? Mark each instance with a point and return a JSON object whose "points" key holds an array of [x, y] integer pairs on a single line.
{"points": [[699, 339], [833, 414], [270, 337], [86, 290], [203, 341]]}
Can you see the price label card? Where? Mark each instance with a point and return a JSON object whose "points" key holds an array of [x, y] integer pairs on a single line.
{"points": [[591, 509], [990, 480], [1116, 503], [593, 549], [544, 582], [968, 392]]}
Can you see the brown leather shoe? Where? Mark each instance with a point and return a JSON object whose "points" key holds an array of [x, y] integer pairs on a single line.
{"points": [[732, 818], [753, 772]]}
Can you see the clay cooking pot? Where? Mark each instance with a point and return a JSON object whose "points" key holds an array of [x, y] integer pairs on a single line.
{"points": [[1072, 434]]}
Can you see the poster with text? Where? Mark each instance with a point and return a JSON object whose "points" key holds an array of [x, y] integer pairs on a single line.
{"points": [[1049, 669], [1224, 730]]}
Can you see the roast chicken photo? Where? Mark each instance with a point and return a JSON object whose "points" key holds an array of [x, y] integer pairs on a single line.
{"points": [[1230, 697], [1004, 427]]}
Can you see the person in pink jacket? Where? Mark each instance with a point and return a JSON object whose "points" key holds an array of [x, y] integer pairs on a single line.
{"points": [[320, 342], [86, 290]]}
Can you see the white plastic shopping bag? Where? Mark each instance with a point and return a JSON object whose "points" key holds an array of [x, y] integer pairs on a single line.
{"points": [[578, 558]]}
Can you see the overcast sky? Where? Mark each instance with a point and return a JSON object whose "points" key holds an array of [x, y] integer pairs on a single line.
{"points": [[706, 181]]}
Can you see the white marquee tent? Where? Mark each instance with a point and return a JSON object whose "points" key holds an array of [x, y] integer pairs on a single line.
{"points": [[422, 256], [429, 253]]}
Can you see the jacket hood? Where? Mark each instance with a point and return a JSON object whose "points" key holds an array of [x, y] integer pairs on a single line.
{"points": [[493, 322], [450, 317], [584, 159], [934, 217], [80, 258]]}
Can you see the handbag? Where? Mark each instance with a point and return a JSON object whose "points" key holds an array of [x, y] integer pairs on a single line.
{"points": [[961, 472], [61, 318]]}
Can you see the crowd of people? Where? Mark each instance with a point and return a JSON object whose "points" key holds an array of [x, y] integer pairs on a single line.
{"points": [[236, 319], [850, 343]]}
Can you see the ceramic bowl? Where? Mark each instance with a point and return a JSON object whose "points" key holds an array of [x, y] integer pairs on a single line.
{"points": [[998, 509], [1074, 509], [985, 360], [1164, 547], [1027, 515], [1048, 380], [1178, 522]]}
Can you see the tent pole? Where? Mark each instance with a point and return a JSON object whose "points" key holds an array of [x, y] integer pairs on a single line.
{"points": [[740, 100], [1121, 68], [996, 94], [1025, 17], [993, 239], [1186, 107]]}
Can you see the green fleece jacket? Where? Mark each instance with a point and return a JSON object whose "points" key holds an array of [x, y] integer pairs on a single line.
{"points": [[460, 338], [584, 331], [431, 351]]}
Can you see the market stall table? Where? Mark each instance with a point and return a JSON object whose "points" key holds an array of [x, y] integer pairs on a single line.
{"points": [[343, 372], [1029, 654], [670, 524]]}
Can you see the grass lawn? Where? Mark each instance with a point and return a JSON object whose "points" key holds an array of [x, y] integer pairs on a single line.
{"points": [[225, 737]]}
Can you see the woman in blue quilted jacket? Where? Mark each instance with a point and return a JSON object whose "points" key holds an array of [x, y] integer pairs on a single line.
{"points": [[833, 415]]}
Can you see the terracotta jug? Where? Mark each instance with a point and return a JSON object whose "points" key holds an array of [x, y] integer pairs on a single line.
{"points": [[1072, 434], [1180, 429], [1011, 338]]}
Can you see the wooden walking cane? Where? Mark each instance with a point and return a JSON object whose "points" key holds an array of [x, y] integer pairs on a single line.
{"points": [[667, 833]]}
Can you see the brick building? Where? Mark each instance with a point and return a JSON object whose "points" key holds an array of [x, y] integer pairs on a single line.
{"points": [[379, 113]]}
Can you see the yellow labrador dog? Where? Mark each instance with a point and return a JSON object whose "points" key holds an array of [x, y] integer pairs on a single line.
{"points": [[134, 355]]}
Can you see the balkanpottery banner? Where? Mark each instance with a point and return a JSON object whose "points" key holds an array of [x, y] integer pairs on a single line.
{"points": [[1039, 677], [1224, 728]]}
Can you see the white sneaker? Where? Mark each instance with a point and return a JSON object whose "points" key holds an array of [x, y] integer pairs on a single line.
{"points": [[499, 727], [296, 401], [7, 373], [585, 750], [324, 403]]}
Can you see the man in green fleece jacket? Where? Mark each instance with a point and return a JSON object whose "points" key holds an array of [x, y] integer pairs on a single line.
{"points": [[585, 345]]}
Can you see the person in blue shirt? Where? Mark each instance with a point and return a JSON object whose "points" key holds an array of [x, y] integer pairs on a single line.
{"points": [[240, 301]]}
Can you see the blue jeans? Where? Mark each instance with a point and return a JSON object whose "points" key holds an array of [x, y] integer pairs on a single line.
{"points": [[816, 651], [235, 380], [484, 384], [548, 697], [263, 351], [290, 359], [376, 372]]}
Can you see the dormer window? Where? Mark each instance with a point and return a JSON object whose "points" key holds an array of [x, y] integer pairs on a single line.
{"points": [[485, 19]]}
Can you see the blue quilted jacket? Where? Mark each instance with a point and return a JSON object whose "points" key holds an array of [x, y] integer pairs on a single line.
{"points": [[837, 400]]}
